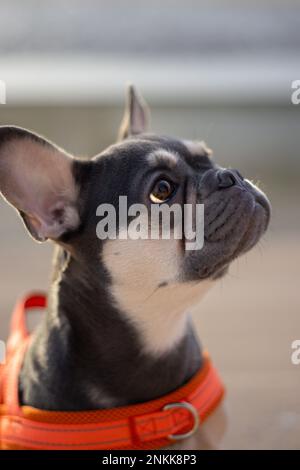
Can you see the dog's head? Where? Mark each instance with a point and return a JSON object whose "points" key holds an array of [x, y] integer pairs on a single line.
{"points": [[58, 196]]}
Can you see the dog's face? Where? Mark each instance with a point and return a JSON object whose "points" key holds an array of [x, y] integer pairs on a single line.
{"points": [[58, 196], [150, 170], [165, 171]]}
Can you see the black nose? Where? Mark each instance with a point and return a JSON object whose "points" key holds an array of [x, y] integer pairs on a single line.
{"points": [[228, 178]]}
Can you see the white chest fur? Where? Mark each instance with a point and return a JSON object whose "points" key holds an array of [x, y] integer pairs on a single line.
{"points": [[145, 286]]}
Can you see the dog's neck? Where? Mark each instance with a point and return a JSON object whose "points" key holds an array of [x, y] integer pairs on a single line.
{"points": [[86, 354]]}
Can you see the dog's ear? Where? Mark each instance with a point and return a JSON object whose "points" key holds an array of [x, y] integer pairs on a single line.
{"points": [[36, 177], [136, 116]]}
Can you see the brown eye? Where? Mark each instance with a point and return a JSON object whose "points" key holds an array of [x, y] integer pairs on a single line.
{"points": [[162, 191]]}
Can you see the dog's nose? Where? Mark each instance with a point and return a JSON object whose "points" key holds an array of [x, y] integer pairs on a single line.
{"points": [[228, 178]]}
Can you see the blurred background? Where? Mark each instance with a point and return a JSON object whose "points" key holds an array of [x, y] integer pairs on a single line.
{"points": [[214, 70]]}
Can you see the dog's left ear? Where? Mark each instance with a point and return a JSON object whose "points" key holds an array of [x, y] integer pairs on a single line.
{"points": [[136, 116], [36, 177]]}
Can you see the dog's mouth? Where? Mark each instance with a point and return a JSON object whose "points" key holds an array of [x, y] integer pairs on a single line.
{"points": [[234, 221]]}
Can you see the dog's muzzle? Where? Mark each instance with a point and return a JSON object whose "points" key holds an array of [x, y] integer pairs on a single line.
{"points": [[236, 215]]}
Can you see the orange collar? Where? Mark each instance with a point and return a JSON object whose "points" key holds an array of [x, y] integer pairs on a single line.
{"points": [[148, 425]]}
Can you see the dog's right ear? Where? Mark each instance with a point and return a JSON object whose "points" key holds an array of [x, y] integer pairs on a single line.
{"points": [[36, 177], [136, 116]]}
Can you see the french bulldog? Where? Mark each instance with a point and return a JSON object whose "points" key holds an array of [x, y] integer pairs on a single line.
{"points": [[117, 329]]}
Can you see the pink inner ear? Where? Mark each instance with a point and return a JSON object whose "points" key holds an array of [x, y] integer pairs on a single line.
{"points": [[37, 179], [138, 121], [35, 224], [136, 117]]}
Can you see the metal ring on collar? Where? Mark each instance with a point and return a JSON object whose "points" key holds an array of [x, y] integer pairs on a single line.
{"points": [[193, 412]]}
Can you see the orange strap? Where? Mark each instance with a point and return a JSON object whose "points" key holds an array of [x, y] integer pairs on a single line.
{"points": [[143, 426]]}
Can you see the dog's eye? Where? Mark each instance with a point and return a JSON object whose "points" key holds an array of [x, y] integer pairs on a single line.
{"points": [[162, 191]]}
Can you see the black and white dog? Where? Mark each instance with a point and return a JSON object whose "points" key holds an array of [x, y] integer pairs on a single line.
{"points": [[117, 330]]}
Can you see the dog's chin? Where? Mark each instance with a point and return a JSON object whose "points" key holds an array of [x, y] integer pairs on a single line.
{"points": [[232, 226]]}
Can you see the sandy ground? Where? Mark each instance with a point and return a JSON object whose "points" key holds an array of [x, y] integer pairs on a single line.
{"points": [[248, 322]]}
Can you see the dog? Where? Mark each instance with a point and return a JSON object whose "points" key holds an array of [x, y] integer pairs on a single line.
{"points": [[117, 330]]}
